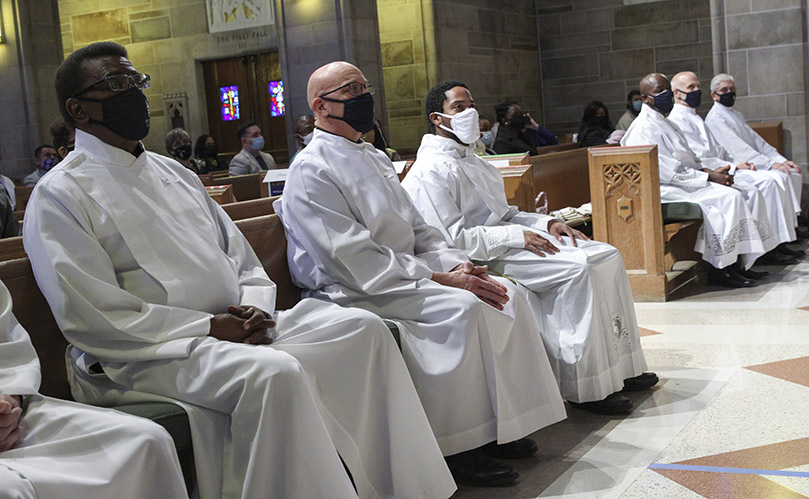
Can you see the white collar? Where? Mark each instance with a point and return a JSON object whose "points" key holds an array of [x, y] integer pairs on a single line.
{"points": [[105, 153]]}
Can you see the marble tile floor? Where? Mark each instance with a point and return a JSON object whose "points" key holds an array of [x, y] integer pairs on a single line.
{"points": [[729, 419]]}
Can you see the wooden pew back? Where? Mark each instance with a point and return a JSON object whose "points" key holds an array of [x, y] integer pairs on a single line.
{"points": [[22, 193], [563, 176], [250, 209], [267, 238], [245, 187]]}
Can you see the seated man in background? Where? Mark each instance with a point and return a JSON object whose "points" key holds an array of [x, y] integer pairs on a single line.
{"points": [[45, 156], [64, 137], [518, 132], [9, 226], [302, 131], [53, 448], [162, 298], [773, 185], [633, 105], [743, 143], [470, 342], [251, 159], [580, 293], [729, 231]]}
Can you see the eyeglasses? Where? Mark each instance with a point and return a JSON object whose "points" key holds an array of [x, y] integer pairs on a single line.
{"points": [[356, 88], [119, 83]]}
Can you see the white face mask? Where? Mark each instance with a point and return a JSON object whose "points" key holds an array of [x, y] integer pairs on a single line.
{"points": [[465, 125], [307, 138], [487, 138]]}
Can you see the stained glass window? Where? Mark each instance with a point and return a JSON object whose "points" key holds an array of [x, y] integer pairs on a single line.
{"points": [[276, 89], [230, 102]]}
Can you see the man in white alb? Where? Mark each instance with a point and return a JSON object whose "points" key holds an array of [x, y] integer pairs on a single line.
{"points": [[729, 230], [355, 238], [743, 143], [51, 448], [580, 293], [162, 298], [774, 186]]}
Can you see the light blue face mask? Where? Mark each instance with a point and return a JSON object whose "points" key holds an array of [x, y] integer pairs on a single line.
{"points": [[257, 144], [487, 138], [637, 105]]}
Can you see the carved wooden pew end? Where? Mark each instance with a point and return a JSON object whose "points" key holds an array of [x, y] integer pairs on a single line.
{"points": [[625, 195]]}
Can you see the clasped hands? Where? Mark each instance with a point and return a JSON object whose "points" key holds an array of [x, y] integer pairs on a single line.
{"points": [[474, 279], [242, 324], [10, 413]]}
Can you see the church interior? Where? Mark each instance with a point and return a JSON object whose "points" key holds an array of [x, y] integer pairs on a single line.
{"points": [[727, 417]]}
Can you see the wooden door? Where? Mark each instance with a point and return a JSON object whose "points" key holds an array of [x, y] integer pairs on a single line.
{"points": [[238, 90]]}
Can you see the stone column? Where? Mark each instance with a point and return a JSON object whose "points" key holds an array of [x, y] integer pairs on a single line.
{"points": [[28, 62], [315, 33]]}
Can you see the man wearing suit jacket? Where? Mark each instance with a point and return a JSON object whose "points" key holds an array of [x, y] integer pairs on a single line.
{"points": [[251, 159]]}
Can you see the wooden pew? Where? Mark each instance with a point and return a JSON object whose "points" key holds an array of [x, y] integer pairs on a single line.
{"points": [[625, 193], [562, 146], [245, 187], [250, 209], [563, 177], [22, 193], [772, 132]]}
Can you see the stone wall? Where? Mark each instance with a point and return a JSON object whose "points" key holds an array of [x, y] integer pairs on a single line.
{"points": [[600, 49], [490, 45], [28, 60], [762, 43]]}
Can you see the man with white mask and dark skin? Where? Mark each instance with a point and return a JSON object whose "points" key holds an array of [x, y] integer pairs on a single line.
{"points": [[302, 131], [580, 295], [729, 231], [162, 298], [469, 340], [731, 130], [773, 185]]}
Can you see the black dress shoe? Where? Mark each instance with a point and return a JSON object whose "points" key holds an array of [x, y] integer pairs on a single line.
{"points": [[613, 404], [641, 382], [728, 279], [756, 275], [802, 234], [476, 469], [785, 250], [518, 449], [777, 258]]}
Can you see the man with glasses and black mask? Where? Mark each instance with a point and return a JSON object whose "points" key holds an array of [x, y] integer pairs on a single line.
{"points": [[470, 341], [162, 298], [730, 230], [743, 143]]}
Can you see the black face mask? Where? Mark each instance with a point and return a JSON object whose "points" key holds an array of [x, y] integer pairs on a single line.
{"points": [[126, 114], [693, 99], [211, 150], [664, 101], [600, 121], [727, 99], [519, 122], [358, 112], [183, 152]]}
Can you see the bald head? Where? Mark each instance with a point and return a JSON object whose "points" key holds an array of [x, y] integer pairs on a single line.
{"points": [[343, 82], [654, 83], [686, 84], [331, 76]]}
